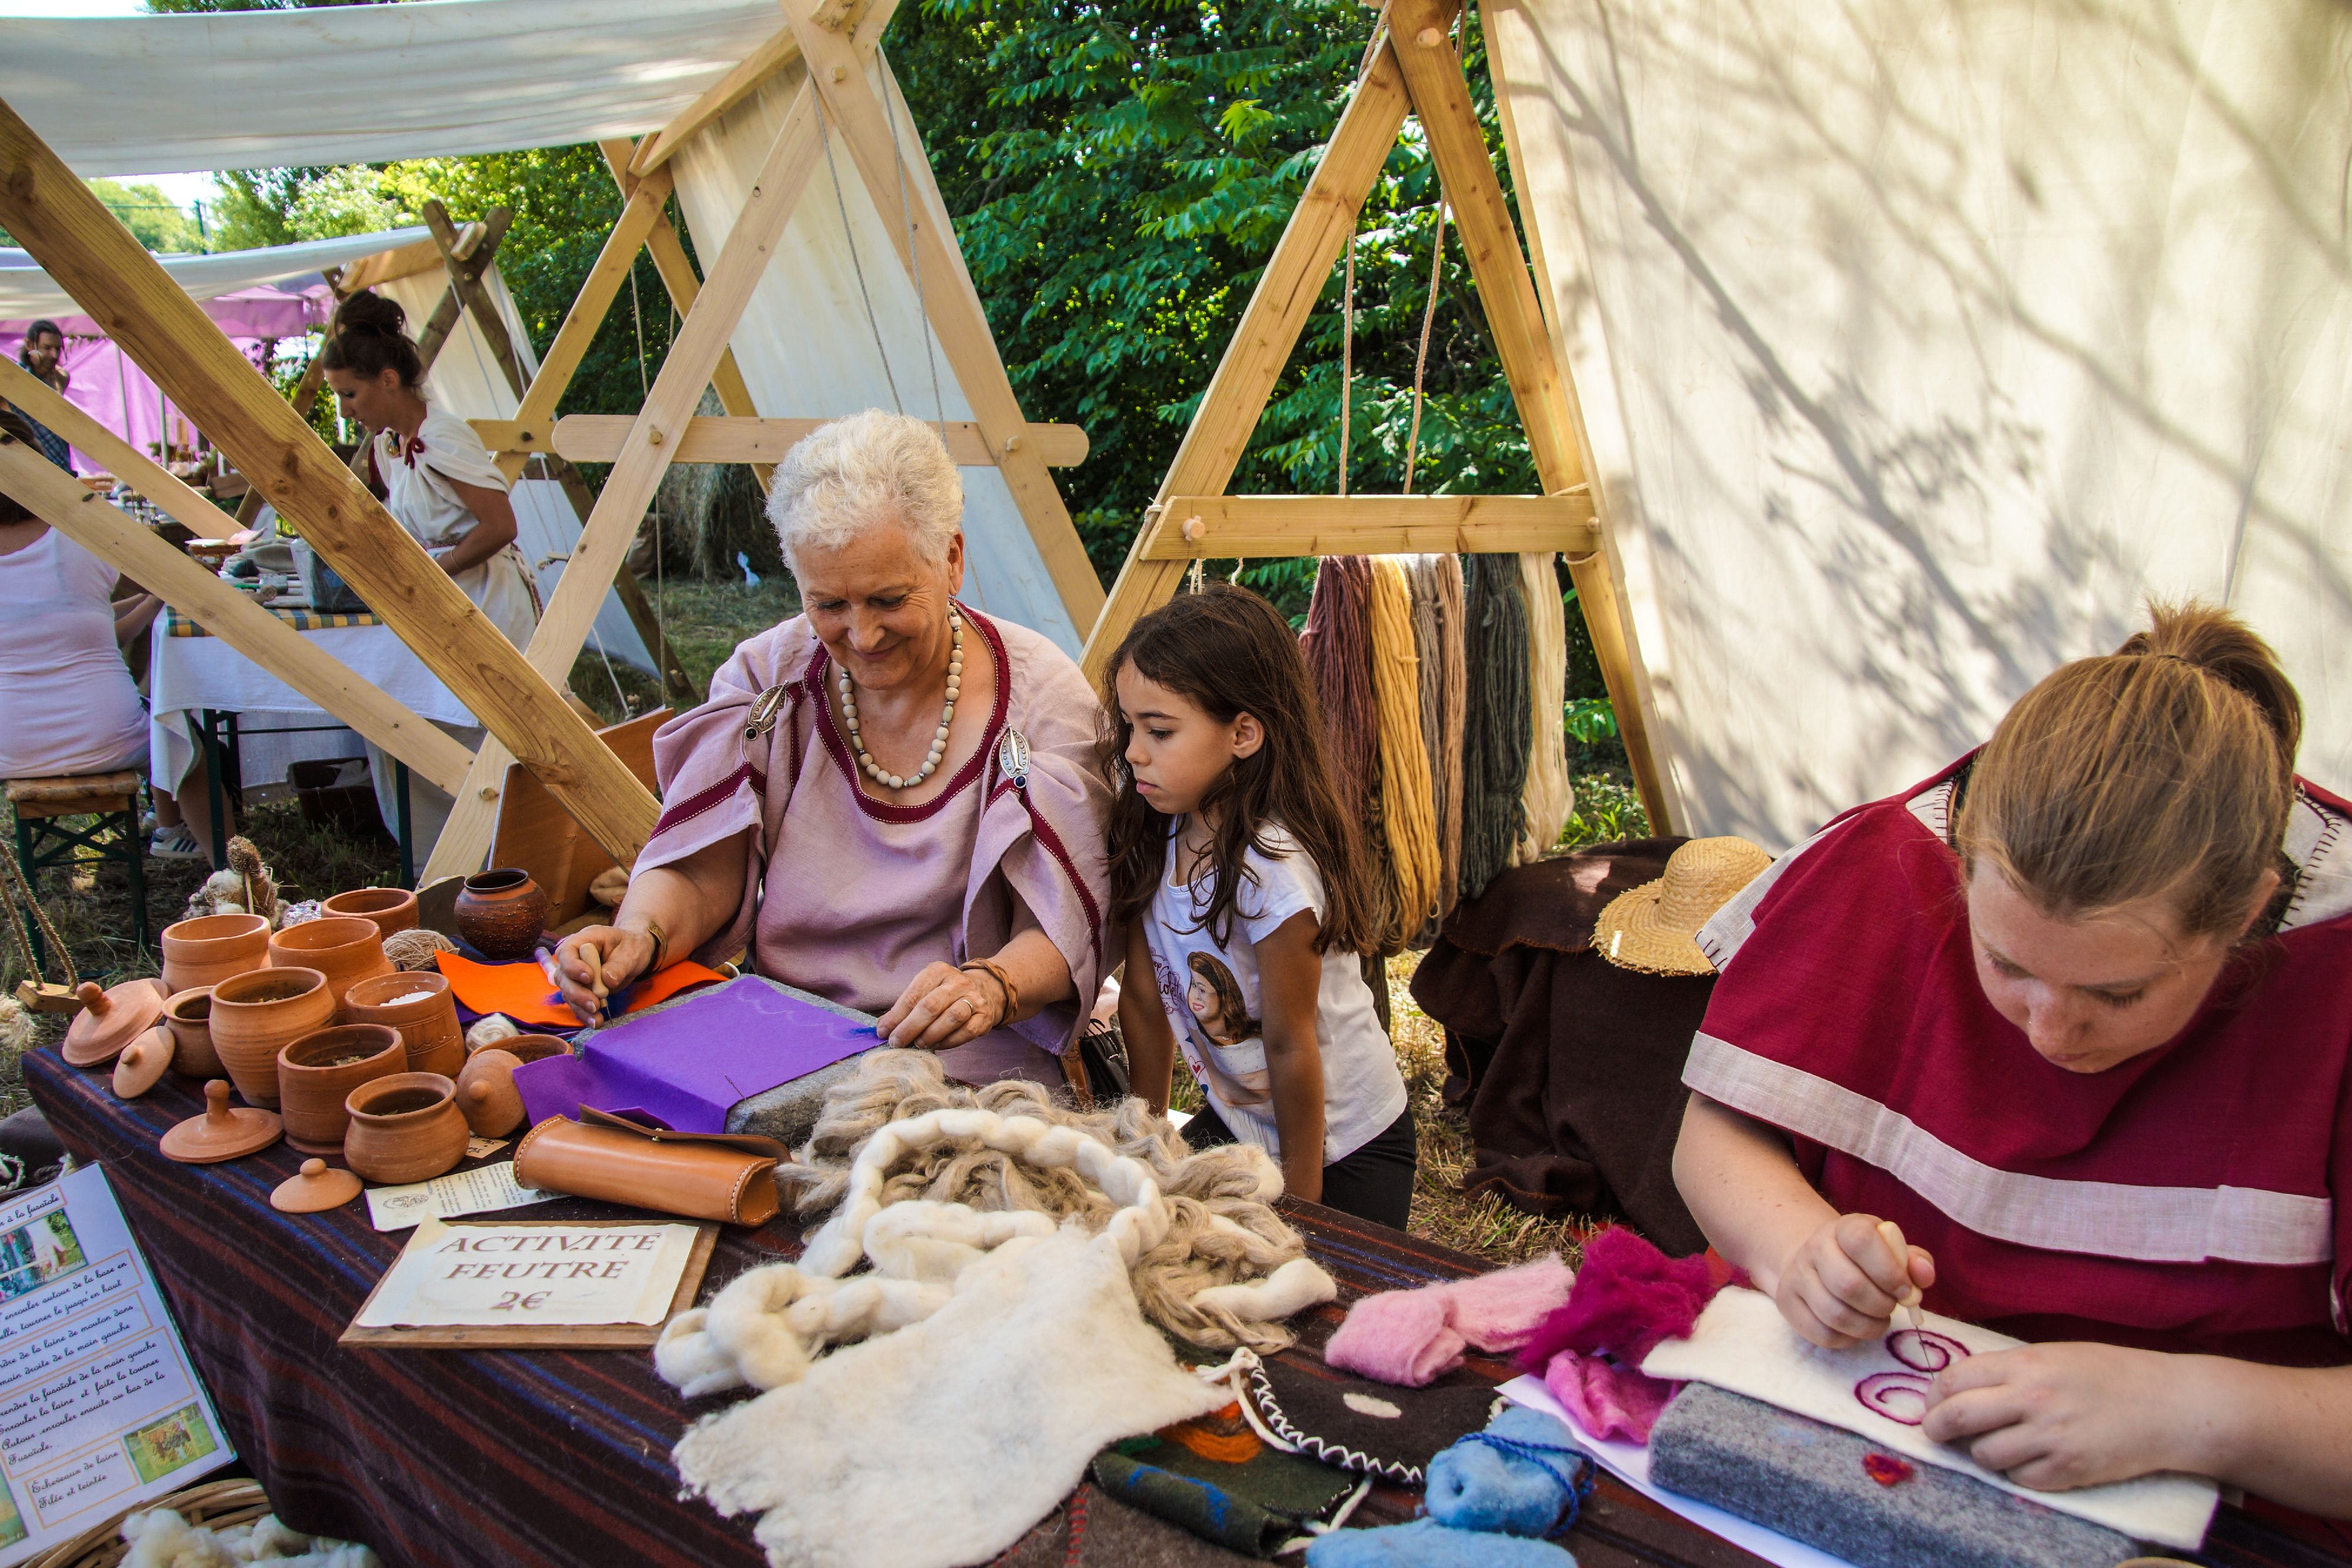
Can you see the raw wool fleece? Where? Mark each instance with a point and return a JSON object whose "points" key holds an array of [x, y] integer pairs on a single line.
{"points": [[1222, 1233], [162, 1539], [942, 1443]]}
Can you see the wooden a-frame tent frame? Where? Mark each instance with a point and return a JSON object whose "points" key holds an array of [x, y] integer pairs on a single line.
{"points": [[515, 694], [1415, 70]]}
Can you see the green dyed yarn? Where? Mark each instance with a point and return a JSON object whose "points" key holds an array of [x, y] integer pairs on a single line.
{"points": [[1497, 731]]}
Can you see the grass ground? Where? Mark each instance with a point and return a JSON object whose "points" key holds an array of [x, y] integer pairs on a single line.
{"points": [[704, 621]]}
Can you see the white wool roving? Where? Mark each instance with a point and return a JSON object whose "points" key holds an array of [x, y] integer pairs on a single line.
{"points": [[942, 1442], [160, 1537]]}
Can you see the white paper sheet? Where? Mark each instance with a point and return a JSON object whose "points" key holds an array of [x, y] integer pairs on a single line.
{"points": [[485, 1189], [99, 1406], [530, 1275]]}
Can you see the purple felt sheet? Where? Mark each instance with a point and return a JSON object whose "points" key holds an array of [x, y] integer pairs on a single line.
{"points": [[686, 1066]]}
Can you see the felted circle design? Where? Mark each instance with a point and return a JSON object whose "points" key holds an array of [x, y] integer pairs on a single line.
{"points": [[1900, 1396]]}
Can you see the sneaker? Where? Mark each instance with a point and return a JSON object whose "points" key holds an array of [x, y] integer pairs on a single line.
{"points": [[147, 822], [175, 843]]}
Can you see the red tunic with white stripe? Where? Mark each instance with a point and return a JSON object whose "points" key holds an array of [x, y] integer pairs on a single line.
{"points": [[2189, 1199]]}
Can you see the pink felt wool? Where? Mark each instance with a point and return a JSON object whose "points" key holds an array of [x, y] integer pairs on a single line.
{"points": [[1627, 1298], [1607, 1400], [1414, 1337]]}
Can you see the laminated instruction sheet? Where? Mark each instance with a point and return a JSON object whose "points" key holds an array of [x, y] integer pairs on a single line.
{"points": [[99, 1408]]}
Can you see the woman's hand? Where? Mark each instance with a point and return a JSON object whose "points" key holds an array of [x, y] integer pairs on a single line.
{"points": [[941, 1008], [622, 955], [1842, 1283], [2057, 1416]]}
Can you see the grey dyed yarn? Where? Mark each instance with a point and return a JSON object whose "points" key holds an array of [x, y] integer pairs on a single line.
{"points": [[1806, 1480]]}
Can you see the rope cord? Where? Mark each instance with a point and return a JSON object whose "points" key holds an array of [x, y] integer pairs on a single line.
{"points": [[18, 890], [1421, 360], [1347, 355], [914, 256], [873, 322]]}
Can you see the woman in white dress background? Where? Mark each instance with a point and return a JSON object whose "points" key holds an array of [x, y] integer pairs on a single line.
{"points": [[442, 486]]}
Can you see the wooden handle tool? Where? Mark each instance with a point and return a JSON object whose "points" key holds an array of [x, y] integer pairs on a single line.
{"points": [[596, 961], [1908, 1297]]}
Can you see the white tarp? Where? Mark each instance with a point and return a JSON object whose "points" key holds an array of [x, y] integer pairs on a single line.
{"points": [[366, 84], [278, 88], [26, 290], [1920, 341], [807, 346], [466, 380]]}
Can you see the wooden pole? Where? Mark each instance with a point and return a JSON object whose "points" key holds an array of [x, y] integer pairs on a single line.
{"points": [[1253, 361], [54, 216]]}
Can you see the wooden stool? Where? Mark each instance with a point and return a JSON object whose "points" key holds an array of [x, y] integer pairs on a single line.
{"points": [[45, 838]]}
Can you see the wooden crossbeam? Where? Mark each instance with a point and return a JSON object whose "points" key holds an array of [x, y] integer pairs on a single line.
{"points": [[1224, 528], [1278, 307], [838, 68], [464, 263], [385, 266], [132, 548], [1540, 385], [599, 437], [678, 277], [54, 216], [779, 51], [605, 538]]}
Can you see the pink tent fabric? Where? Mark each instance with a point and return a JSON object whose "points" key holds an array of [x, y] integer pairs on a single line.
{"points": [[106, 384]]}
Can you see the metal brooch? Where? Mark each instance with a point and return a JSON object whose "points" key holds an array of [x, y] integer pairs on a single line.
{"points": [[763, 714], [1013, 757]]}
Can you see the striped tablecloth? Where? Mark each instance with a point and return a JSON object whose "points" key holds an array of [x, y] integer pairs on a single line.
{"points": [[445, 1458], [176, 624]]}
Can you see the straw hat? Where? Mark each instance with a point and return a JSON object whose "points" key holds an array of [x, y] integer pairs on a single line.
{"points": [[1653, 927]]}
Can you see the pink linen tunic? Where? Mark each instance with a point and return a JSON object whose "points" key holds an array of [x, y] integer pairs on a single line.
{"points": [[857, 895]]}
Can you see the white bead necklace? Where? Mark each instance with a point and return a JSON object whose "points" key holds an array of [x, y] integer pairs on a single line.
{"points": [[866, 762]]}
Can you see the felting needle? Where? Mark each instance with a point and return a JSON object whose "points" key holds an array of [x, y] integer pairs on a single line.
{"points": [[596, 961], [1909, 1296]]}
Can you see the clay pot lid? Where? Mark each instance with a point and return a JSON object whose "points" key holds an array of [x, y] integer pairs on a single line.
{"points": [[143, 1062], [221, 1133], [318, 1187], [487, 1094], [110, 1018]]}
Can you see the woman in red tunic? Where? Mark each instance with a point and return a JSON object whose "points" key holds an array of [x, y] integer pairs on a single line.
{"points": [[2076, 1017]]}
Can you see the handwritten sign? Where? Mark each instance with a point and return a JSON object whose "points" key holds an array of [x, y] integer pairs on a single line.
{"points": [[525, 1275], [99, 1408]]}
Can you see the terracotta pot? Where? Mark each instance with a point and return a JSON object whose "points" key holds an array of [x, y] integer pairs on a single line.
{"points": [[258, 1013], [420, 1005], [487, 1092], [501, 914], [189, 1015], [346, 948], [319, 1071], [391, 908], [211, 948], [405, 1128], [530, 1047]]}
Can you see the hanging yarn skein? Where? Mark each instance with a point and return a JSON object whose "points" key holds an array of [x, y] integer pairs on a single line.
{"points": [[1338, 646], [1421, 578], [1407, 812], [1453, 699], [1549, 797], [1495, 730]]}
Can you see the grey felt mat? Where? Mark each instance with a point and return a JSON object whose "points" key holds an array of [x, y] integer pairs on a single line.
{"points": [[1806, 1480]]}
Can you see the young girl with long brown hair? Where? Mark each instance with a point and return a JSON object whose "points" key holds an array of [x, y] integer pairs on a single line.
{"points": [[1234, 873], [2076, 1017]]}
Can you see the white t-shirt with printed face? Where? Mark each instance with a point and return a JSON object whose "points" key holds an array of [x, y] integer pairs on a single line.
{"points": [[1214, 1003]]}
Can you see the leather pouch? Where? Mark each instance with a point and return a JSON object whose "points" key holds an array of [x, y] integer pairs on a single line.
{"points": [[702, 1175]]}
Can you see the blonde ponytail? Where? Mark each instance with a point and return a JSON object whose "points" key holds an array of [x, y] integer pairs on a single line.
{"points": [[2165, 769]]}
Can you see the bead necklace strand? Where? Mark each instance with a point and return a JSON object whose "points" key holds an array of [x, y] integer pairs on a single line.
{"points": [[866, 762]]}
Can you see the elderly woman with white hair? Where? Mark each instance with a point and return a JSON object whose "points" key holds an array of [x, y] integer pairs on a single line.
{"points": [[890, 798]]}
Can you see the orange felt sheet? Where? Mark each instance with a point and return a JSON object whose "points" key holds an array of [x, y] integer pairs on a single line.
{"points": [[521, 990]]}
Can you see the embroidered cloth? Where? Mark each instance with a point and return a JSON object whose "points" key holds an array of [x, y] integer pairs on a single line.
{"points": [[2189, 1199]]}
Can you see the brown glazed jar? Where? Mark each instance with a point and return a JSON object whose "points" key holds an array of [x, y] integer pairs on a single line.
{"points": [[258, 1013], [318, 1072], [419, 1004], [405, 1128], [211, 948], [391, 908], [501, 913]]}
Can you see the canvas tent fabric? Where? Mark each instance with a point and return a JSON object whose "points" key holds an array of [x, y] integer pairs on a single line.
{"points": [[245, 90], [27, 291], [1919, 344]]}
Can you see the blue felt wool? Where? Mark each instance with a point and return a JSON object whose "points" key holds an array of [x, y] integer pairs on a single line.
{"points": [[1523, 1475], [1425, 1543]]}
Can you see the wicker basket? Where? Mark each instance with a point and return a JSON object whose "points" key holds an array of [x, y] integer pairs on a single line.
{"points": [[216, 1503]]}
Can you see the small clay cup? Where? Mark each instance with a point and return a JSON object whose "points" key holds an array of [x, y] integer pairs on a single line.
{"points": [[530, 1047], [428, 1024], [487, 1092], [405, 1128], [500, 913], [319, 1071], [189, 1015], [346, 948], [211, 948], [391, 908], [258, 1013]]}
